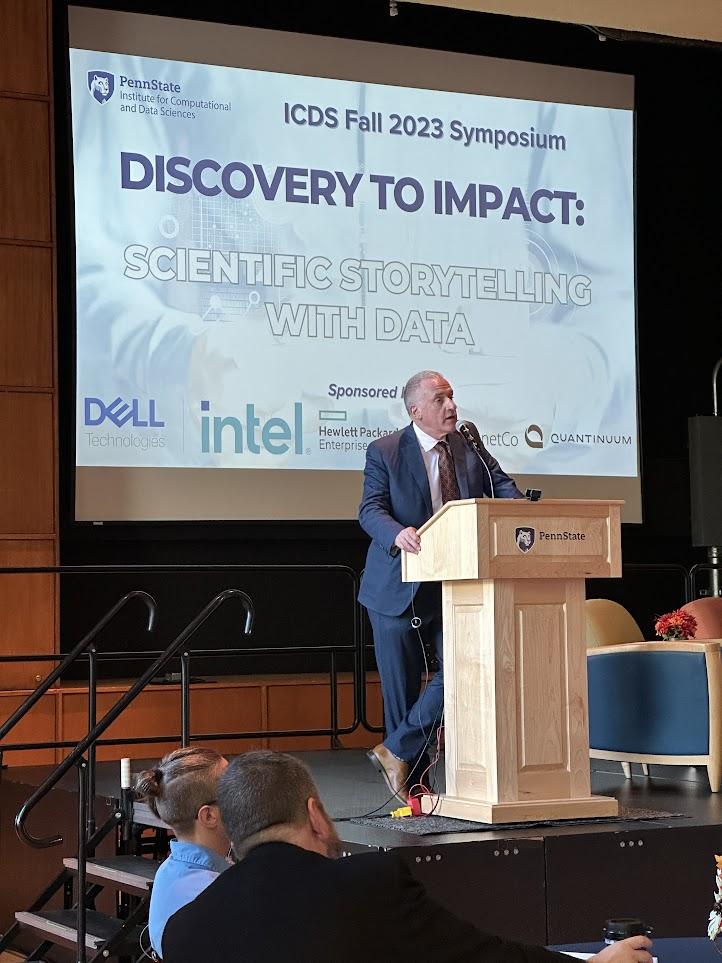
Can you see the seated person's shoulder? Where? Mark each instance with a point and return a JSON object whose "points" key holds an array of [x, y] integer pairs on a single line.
{"points": [[380, 869]]}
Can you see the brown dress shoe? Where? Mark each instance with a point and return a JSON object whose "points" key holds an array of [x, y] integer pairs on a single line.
{"points": [[395, 771]]}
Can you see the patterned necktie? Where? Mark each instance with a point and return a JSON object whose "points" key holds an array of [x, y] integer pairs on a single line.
{"points": [[447, 475]]}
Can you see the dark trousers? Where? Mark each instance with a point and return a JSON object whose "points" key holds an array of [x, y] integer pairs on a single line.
{"points": [[411, 717]]}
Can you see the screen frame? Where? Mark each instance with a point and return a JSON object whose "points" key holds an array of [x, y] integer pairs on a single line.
{"points": [[67, 360]]}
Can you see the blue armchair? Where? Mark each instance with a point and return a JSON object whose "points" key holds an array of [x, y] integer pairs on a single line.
{"points": [[657, 702]]}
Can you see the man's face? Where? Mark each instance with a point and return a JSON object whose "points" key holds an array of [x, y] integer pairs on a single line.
{"points": [[433, 409]]}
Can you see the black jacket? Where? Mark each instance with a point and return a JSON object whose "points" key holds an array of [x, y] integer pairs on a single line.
{"points": [[282, 903]]}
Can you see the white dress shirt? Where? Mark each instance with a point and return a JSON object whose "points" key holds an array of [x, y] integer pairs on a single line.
{"points": [[430, 454]]}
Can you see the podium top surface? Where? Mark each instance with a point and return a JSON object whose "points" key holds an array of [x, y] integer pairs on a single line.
{"points": [[510, 506], [480, 538]]}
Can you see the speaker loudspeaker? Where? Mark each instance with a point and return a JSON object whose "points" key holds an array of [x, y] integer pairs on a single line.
{"points": [[705, 479]]}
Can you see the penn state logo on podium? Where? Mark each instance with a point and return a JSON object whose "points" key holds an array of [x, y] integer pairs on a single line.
{"points": [[101, 85], [525, 538]]}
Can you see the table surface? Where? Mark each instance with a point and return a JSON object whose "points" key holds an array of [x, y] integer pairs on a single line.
{"points": [[695, 949]]}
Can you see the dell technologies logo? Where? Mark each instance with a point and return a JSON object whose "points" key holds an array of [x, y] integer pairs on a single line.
{"points": [[101, 85], [121, 413]]}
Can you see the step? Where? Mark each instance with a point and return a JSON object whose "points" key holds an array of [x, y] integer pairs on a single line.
{"points": [[131, 874], [143, 816], [60, 927]]}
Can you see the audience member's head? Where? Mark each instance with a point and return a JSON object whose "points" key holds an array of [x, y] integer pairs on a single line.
{"points": [[182, 790], [270, 796]]}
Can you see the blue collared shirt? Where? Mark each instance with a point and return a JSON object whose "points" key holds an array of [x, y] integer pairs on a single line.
{"points": [[183, 875]]}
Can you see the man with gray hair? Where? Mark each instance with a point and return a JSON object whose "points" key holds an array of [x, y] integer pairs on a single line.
{"points": [[408, 476], [289, 899]]}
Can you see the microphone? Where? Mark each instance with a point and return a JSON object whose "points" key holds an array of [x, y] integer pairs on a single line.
{"points": [[463, 428]]}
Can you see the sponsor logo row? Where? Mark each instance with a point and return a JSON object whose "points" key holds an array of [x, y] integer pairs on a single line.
{"points": [[278, 435]]}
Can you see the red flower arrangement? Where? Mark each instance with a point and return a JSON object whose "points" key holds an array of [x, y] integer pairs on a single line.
{"points": [[676, 625]]}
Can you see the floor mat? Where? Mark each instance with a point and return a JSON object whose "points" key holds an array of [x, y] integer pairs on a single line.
{"points": [[439, 825]]}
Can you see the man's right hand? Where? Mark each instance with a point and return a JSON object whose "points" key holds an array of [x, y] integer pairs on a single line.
{"points": [[633, 950], [408, 541]]}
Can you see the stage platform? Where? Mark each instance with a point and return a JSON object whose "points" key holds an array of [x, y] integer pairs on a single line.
{"points": [[547, 884]]}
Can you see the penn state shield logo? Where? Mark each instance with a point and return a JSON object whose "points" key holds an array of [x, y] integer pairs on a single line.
{"points": [[525, 538], [101, 85]]}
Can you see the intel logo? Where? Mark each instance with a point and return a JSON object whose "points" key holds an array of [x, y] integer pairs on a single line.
{"points": [[276, 436]]}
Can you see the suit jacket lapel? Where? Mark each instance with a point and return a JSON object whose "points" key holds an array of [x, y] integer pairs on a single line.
{"points": [[458, 451], [411, 451]]}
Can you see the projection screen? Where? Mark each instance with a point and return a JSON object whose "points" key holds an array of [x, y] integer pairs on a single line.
{"points": [[273, 231]]}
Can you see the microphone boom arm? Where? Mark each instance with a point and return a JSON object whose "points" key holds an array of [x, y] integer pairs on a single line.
{"points": [[472, 443]]}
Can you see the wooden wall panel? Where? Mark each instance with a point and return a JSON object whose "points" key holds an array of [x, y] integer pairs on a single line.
{"points": [[221, 707], [27, 611], [214, 708], [27, 466], [307, 706], [240, 704], [25, 191], [28, 436], [37, 726], [24, 47], [26, 316]]}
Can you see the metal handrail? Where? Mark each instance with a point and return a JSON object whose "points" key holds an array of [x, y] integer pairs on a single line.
{"points": [[676, 567], [75, 654], [131, 655], [354, 649], [334, 730], [113, 713], [708, 566]]}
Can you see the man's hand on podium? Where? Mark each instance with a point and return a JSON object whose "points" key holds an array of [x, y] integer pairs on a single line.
{"points": [[633, 950], [408, 541]]}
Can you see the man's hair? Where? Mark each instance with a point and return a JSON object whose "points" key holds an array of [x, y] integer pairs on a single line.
{"points": [[181, 783], [262, 795], [411, 389]]}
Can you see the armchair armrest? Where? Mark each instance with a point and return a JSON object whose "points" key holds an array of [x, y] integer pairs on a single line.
{"points": [[708, 647]]}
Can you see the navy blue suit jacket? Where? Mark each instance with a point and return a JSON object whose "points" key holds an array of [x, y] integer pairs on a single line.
{"points": [[396, 495]]}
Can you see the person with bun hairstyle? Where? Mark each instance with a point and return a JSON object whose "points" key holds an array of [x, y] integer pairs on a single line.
{"points": [[182, 791]]}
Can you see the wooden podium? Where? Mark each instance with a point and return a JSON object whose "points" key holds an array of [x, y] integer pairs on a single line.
{"points": [[515, 660]]}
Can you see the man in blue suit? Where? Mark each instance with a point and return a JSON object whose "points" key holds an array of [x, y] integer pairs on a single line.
{"points": [[408, 476]]}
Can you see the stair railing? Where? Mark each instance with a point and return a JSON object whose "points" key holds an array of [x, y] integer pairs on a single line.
{"points": [[80, 649], [85, 646], [76, 758], [112, 714]]}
